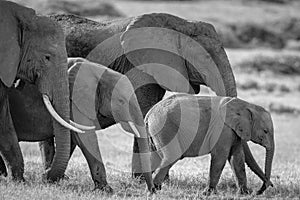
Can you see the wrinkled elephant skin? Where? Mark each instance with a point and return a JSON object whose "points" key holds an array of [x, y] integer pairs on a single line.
{"points": [[187, 126]]}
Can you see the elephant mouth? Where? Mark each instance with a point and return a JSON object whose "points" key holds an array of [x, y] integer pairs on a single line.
{"points": [[72, 126], [131, 127]]}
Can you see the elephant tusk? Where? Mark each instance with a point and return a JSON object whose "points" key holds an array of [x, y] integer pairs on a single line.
{"points": [[82, 127], [57, 117], [132, 126]]}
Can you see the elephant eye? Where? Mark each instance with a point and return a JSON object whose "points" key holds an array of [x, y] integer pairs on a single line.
{"points": [[266, 131], [121, 101]]}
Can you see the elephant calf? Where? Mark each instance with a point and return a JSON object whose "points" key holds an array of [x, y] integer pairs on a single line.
{"points": [[187, 126]]}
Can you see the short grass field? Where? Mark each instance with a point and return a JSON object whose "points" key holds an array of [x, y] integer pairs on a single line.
{"points": [[277, 90]]}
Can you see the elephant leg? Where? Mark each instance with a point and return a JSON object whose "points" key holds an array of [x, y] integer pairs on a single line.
{"points": [[47, 152], [3, 171], [136, 161], [218, 160], [162, 172], [88, 143], [9, 146], [237, 162]]}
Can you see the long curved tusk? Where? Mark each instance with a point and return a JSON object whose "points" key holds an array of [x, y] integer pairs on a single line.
{"points": [[57, 117], [82, 127], [132, 126]]}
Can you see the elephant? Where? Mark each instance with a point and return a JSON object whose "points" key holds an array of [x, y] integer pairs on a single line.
{"points": [[33, 50], [113, 44], [185, 125], [99, 97]]}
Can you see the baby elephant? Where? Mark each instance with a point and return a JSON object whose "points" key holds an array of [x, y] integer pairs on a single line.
{"points": [[187, 126]]}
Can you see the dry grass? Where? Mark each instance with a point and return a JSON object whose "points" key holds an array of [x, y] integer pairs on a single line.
{"points": [[279, 93], [188, 177]]}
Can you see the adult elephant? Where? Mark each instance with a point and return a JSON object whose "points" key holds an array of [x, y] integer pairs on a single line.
{"points": [[32, 49], [157, 52], [99, 96]]}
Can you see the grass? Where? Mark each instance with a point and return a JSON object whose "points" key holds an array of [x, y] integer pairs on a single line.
{"points": [[188, 177], [276, 92]]}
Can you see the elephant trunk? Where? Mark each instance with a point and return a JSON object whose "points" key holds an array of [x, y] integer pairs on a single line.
{"points": [[227, 75], [252, 163], [269, 160], [131, 120], [265, 177], [225, 70], [60, 100]]}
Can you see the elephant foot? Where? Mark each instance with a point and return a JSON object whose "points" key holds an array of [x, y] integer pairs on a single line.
{"points": [[104, 188], [139, 176], [264, 187], [245, 191], [157, 186], [47, 178], [209, 191], [18, 179], [151, 193], [167, 178]]}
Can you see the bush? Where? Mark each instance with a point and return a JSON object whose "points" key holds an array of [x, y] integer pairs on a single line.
{"points": [[279, 34], [277, 1], [88, 8], [284, 88], [283, 109], [282, 65], [258, 35], [248, 85], [270, 87]]}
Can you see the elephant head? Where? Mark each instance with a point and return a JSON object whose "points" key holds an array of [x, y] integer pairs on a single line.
{"points": [[99, 93], [252, 122], [179, 55], [33, 49]]}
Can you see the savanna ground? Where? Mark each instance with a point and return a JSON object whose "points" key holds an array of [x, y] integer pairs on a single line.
{"points": [[266, 62]]}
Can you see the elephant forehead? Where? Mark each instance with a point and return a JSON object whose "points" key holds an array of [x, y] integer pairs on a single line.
{"points": [[84, 88], [266, 120]]}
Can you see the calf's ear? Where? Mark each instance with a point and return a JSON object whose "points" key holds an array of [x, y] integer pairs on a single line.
{"points": [[83, 82], [239, 120]]}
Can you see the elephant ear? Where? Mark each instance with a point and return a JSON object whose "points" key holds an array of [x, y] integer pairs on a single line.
{"points": [[163, 52], [14, 18], [238, 118], [83, 80]]}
